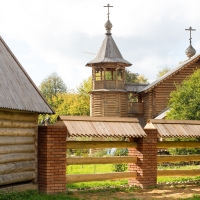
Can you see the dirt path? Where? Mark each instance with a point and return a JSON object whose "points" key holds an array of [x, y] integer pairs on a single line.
{"points": [[161, 193]]}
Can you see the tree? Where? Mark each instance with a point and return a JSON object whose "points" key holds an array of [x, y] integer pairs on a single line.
{"points": [[163, 72], [184, 103], [51, 86], [134, 78]]}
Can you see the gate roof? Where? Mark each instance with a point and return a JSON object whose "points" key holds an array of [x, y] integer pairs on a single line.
{"points": [[102, 126], [175, 128]]}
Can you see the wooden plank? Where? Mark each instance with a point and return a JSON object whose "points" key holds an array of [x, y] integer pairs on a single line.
{"points": [[100, 160], [17, 167], [15, 157], [99, 144], [75, 178], [17, 124], [16, 140], [97, 119], [17, 132], [5, 149], [178, 173], [17, 116], [179, 158], [16, 177], [178, 144], [164, 121]]}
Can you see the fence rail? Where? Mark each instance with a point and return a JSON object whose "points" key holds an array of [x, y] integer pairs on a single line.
{"points": [[179, 144], [75, 178], [100, 160], [179, 158], [177, 173], [99, 144]]}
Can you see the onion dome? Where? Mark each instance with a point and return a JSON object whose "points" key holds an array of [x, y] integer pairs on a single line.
{"points": [[190, 51], [108, 25]]}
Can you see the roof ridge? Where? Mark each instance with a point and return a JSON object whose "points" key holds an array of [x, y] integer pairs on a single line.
{"points": [[165, 76]]}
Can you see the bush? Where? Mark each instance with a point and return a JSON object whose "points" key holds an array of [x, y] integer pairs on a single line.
{"points": [[120, 167]]}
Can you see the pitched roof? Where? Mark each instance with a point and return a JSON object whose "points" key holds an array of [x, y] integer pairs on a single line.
{"points": [[109, 53], [102, 126], [175, 128], [182, 65], [135, 87], [17, 90]]}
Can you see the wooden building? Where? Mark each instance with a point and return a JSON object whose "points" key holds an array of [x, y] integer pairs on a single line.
{"points": [[109, 95], [20, 104]]}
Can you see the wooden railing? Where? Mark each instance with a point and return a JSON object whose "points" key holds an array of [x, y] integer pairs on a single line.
{"points": [[108, 84], [74, 178], [135, 107], [178, 158]]}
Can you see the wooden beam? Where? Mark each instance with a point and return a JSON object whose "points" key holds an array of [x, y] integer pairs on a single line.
{"points": [[179, 158], [5, 149], [15, 157], [75, 178], [17, 167], [101, 160], [177, 173], [97, 119], [17, 124], [166, 121], [17, 132], [16, 177], [178, 144], [6, 140], [99, 144]]}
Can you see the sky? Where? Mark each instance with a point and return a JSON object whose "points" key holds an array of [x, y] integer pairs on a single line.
{"points": [[63, 35]]}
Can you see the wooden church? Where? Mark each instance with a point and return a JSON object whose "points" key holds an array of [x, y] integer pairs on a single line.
{"points": [[109, 95]]}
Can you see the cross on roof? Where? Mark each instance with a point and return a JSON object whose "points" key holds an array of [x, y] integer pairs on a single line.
{"points": [[108, 6], [190, 29]]}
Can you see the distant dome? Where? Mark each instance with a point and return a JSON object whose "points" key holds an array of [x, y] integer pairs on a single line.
{"points": [[190, 51], [108, 26]]}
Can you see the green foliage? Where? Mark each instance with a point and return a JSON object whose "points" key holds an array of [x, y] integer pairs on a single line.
{"points": [[120, 167], [51, 86], [134, 78], [184, 103], [163, 72], [33, 195]]}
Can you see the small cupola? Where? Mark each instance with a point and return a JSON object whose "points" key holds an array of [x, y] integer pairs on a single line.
{"points": [[190, 51]]}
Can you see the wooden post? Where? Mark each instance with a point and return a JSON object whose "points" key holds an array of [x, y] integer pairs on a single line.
{"points": [[146, 165], [52, 159]]}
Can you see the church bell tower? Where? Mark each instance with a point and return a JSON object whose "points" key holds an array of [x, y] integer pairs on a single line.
{"points": [[108, 97]]}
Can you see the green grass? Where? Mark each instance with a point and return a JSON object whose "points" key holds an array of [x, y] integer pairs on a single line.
{"points": [[195, 197], [91, 169], [33, 195], [163, 179]]}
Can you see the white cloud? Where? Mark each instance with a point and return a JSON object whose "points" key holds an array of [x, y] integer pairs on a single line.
{"points": [[52, 35]]}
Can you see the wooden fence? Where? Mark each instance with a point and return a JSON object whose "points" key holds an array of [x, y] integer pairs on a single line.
{"points": [[74, 178], [128, 159]]}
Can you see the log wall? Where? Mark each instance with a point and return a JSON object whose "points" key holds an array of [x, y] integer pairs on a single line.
{"points": [[109, 104], [18, 147]]}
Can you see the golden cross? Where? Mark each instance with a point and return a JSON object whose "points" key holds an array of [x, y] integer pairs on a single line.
{"points": [[108, 6]]}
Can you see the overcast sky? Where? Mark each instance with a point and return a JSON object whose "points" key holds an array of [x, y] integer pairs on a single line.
{"points": [[52, 35]]}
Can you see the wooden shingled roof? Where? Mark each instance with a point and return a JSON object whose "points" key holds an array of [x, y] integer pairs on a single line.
{"points": [[17, 90], [109, 53], [175, 128], [102, 126]]}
